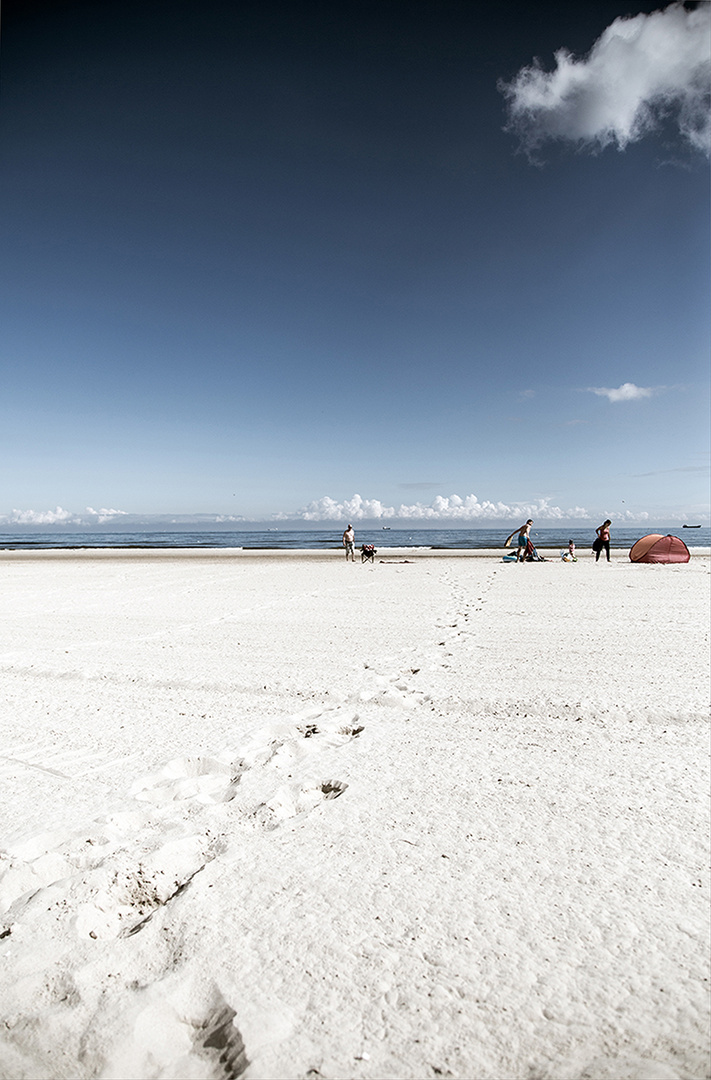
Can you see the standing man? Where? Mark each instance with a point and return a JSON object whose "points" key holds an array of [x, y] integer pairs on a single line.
{"points": [[523, 536], [349, 542]]}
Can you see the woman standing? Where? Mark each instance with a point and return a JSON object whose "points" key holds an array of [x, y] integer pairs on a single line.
{"points": [[603, 539]]}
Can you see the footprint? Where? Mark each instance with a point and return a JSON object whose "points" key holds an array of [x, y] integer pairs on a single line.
{"points": [[293, 799], [333, 730], [307, 730], [220, 1035], [352, 731], [332, 788], [165, 1037], [20, 878], [124, 895], [204, 779]]}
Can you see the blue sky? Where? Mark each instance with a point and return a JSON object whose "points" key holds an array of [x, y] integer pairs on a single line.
{"points": [[307, 261]]}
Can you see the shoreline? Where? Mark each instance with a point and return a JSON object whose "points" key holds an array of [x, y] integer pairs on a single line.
{"points": [[309, 554]]}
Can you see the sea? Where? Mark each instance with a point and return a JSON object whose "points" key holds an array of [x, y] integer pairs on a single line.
{"points": [[330, 539]]}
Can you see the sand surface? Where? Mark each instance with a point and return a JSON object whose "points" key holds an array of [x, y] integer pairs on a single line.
{"points": [[289, 817]]}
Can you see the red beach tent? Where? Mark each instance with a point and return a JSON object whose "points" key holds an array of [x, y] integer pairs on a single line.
{"points": [[660, 549]]}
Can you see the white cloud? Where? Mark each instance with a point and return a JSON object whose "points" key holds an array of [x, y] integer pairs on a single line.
{"points": [[632, 518], [41, 517], [627, 392], [102, 516], [640, 70], [443, 508], [59, 516]]}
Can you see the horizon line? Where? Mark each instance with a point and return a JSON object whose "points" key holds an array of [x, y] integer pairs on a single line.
{"points": [[208, 523]]}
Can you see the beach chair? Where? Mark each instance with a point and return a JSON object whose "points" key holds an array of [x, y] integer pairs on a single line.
{"points": [[367, 553]]}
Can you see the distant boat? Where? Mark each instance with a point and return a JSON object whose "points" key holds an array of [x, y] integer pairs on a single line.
{"points": [[691, 526], [387, 528]]}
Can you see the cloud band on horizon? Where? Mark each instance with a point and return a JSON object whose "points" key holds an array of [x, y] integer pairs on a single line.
{"points": [[442, 508], [58, 516], [451, 510]]}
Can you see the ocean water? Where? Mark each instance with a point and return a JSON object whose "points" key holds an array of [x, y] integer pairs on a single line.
{"points": [[330, 539]]}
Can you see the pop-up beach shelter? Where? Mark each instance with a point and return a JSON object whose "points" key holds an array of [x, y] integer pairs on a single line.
{"points": [[662, 549]]}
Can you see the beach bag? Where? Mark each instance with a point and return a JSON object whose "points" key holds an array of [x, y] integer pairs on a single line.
{"points": [[597, 544]]}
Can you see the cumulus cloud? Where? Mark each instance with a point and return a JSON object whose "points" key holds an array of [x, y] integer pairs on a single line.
{"points": [[59, 516], [633, 517], [102, 516], [41, 517], [641, 70], [627, 392], [449, 508]]}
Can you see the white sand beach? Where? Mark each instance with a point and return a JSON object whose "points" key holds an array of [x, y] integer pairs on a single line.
{"points": [[291, 817]]}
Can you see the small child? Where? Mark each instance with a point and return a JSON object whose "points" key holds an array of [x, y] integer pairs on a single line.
{"points": [[569, 555]]}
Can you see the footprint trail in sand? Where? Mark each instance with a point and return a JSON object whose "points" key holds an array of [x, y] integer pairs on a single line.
{"points": [[363, 885]]}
